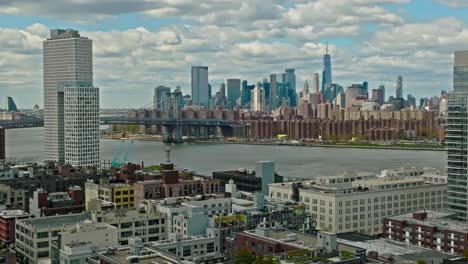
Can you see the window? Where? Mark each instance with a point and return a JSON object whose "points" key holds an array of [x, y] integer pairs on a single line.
{"points": [[41, 235], [186, 251], [44, 244], [210, 247]]}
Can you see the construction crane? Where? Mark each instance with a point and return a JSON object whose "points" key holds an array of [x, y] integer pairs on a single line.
{"points": [[121, 155]]}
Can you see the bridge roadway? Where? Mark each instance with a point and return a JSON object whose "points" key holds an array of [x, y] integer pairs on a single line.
{"points": [[166, 121], [21, 123]]}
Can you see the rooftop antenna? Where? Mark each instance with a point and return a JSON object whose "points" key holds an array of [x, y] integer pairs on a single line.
{"points": [[326, 48]]}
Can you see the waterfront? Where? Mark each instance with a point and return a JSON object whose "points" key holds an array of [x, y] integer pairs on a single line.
{"points": [[26, 145]]}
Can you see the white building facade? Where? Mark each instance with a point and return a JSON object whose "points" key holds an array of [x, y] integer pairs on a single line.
{"points": [[81, 124], [67, 57], [362, 206]]}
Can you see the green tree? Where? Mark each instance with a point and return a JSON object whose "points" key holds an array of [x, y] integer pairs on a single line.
{"points": [[421, 262], [266, 260], [244, 257]]}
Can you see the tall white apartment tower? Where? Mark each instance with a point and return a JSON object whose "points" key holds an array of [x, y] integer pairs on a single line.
{"points": [[81, 124], [67, 62]]}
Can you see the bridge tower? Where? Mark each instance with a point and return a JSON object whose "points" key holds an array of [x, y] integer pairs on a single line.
{"points": [[173, 111]]}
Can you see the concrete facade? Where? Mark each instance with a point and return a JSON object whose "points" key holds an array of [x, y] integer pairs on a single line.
{"points": [[362, 206]]}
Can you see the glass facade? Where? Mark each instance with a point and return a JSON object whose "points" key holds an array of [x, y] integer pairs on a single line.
{"points": [[456, 139]]}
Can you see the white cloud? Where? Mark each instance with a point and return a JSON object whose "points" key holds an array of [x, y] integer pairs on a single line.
{"points": [[246, 39], [453, 3]]}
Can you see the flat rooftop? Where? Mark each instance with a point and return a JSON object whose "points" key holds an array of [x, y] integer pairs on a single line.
{"points": [[440, 219], [120, 256], [13, 213], [286, 236], [56, 221], [401, 252]]}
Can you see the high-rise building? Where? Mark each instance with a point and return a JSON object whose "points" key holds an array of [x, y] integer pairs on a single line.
{"points": [[2, 143], [68, 57], [411, 100], [327, 73], [11, 105], [266, 171], [382, 88], [399, 87], [273, 96], [378, 95], [200, 88], [258, 99], [160, 95], [290, 79], [247, 89], [81, 124], [456, 138], [316, 83], [233, 91]]}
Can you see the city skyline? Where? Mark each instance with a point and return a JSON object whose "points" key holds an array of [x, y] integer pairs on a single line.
{"points": [[138, 47]]}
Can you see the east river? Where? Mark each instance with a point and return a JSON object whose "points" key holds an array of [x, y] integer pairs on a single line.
{"points": [[305, 162]]}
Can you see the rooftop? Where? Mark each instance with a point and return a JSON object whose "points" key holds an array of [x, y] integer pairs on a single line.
{"points": [[56, 221], [401, 252], [121, 256], [285, 236], [13, 213], [439, 219]]}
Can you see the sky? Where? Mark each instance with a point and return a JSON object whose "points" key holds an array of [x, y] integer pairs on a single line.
{"points": [[140, 44]]}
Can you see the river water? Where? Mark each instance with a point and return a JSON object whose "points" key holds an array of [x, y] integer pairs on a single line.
{"points": [[301, 162]]}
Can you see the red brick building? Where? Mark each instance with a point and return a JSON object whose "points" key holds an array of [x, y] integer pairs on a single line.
{"points": [[47, 204], [430, 229], [172, 184], [7, 224]]}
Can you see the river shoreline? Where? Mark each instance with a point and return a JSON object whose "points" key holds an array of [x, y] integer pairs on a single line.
{"points": [[299, 144]]}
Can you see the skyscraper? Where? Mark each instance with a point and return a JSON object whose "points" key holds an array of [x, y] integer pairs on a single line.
{"points": [[81, 124], [200, 87], [399, 87], [67, 58], [327, 73], [258, 99], [316, 83], [2, 143], [290, 79], [273, 98], [456, 138], [11, 105], [160, 95], [233, 91]]}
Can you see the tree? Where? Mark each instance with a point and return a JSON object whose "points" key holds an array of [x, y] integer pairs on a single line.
{"points": [[421, 262], [244, 257], [266, 260]]}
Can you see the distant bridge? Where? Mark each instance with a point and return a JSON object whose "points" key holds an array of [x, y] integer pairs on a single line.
{"points": [[25, 121], [166, 121]]}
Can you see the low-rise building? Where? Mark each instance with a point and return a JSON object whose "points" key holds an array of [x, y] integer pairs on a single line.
{"points": [[7, 224], [14, 198], [77, 252], [245, 179], [173, 183], [363, 205], [43, 203], [295, 247], [189, 215], [136, 252], [35, 236], [120, 194], [198, 249], [436, 230], [134, 223]]}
